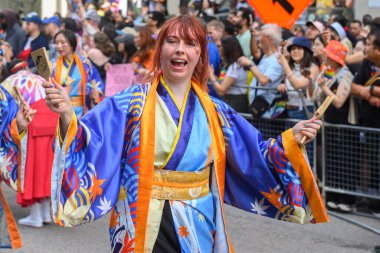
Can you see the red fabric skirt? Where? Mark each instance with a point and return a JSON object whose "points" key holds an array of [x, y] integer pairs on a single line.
{"points": [[40, 155]]}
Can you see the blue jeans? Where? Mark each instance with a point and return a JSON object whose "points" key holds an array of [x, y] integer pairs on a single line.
{"points": [[296, 114]]}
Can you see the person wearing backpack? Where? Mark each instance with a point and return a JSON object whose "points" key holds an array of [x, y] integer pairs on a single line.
{"points": [[268, 73]]}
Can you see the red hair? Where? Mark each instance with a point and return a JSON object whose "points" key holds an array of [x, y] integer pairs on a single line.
{"points": [[147, 45], [188, 28]]}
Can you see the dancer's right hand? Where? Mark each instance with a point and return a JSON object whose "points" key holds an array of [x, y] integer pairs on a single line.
{"points": [[24, 116], [58, 100]]}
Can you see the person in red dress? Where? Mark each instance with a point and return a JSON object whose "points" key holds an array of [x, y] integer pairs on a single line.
{"points": [[37, 139]]}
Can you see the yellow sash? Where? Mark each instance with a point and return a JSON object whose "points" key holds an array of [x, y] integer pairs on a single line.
{"points": [[180, 185], [146, 156]]}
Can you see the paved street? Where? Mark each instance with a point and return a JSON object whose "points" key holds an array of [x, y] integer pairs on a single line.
{"points": [[249, 233]]}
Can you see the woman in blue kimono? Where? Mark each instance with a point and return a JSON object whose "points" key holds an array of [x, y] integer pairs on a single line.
{"points": [[164, 157], [80, 78]]}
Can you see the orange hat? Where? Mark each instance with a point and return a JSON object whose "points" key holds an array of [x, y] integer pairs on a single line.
{"points": [[336, 51]]}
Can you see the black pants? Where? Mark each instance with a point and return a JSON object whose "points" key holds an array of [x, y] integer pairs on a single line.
{"points": [[167, 241]]}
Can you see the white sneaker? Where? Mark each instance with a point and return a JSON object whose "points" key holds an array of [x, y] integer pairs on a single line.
{"points": [[46, 216], [30, 221], [34, 219], [332, 205], [345, 208], [377, 215]]}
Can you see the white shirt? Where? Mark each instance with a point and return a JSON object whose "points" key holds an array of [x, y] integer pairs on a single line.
{"points": [[294, 98], [240, 75]]}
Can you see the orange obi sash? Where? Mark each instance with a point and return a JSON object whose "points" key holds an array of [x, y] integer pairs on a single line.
{"points": [[180, 185]]}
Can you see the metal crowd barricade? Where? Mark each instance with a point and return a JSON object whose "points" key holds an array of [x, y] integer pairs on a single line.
{"points": [[350, 155], [351, 160], [348, 158], [273, 127], [351, 165]]}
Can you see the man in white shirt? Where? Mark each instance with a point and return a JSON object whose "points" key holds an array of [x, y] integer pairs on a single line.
{"points": [[268, 73]]}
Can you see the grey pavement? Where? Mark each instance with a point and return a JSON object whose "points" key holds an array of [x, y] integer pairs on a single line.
{"points": [[249, 233]]}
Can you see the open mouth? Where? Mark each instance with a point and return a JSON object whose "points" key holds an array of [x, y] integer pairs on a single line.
{"points": [[179, 63]]}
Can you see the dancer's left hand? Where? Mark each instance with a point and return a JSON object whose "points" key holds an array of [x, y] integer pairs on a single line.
{"points": [[308, 128]]}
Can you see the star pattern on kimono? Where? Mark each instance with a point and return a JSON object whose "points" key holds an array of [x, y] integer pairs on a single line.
{"points": [[273, 197], [201, 217], [183, 231], [96, 84], [105, 206], [128, 244], [258, 207], [114, 221], [95, 188]]}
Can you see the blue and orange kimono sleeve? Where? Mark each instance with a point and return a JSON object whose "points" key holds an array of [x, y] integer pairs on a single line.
{"points": [[9, 236], [272, 177], [9, 159], [10, 142], [87, 165]]}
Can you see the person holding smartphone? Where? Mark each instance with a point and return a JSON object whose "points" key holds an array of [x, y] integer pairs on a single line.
{"points": [[300, 72]]}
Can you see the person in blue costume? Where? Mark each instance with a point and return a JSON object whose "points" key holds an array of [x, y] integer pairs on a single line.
{"points": [[13, 123], [163, 157], [86, 88]]}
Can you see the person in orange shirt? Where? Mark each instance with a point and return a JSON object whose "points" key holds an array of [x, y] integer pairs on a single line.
{"points": [[143, 58]]}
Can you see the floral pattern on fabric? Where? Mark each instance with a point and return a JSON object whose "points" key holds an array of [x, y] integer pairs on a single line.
{"points": [[97, 170]]}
